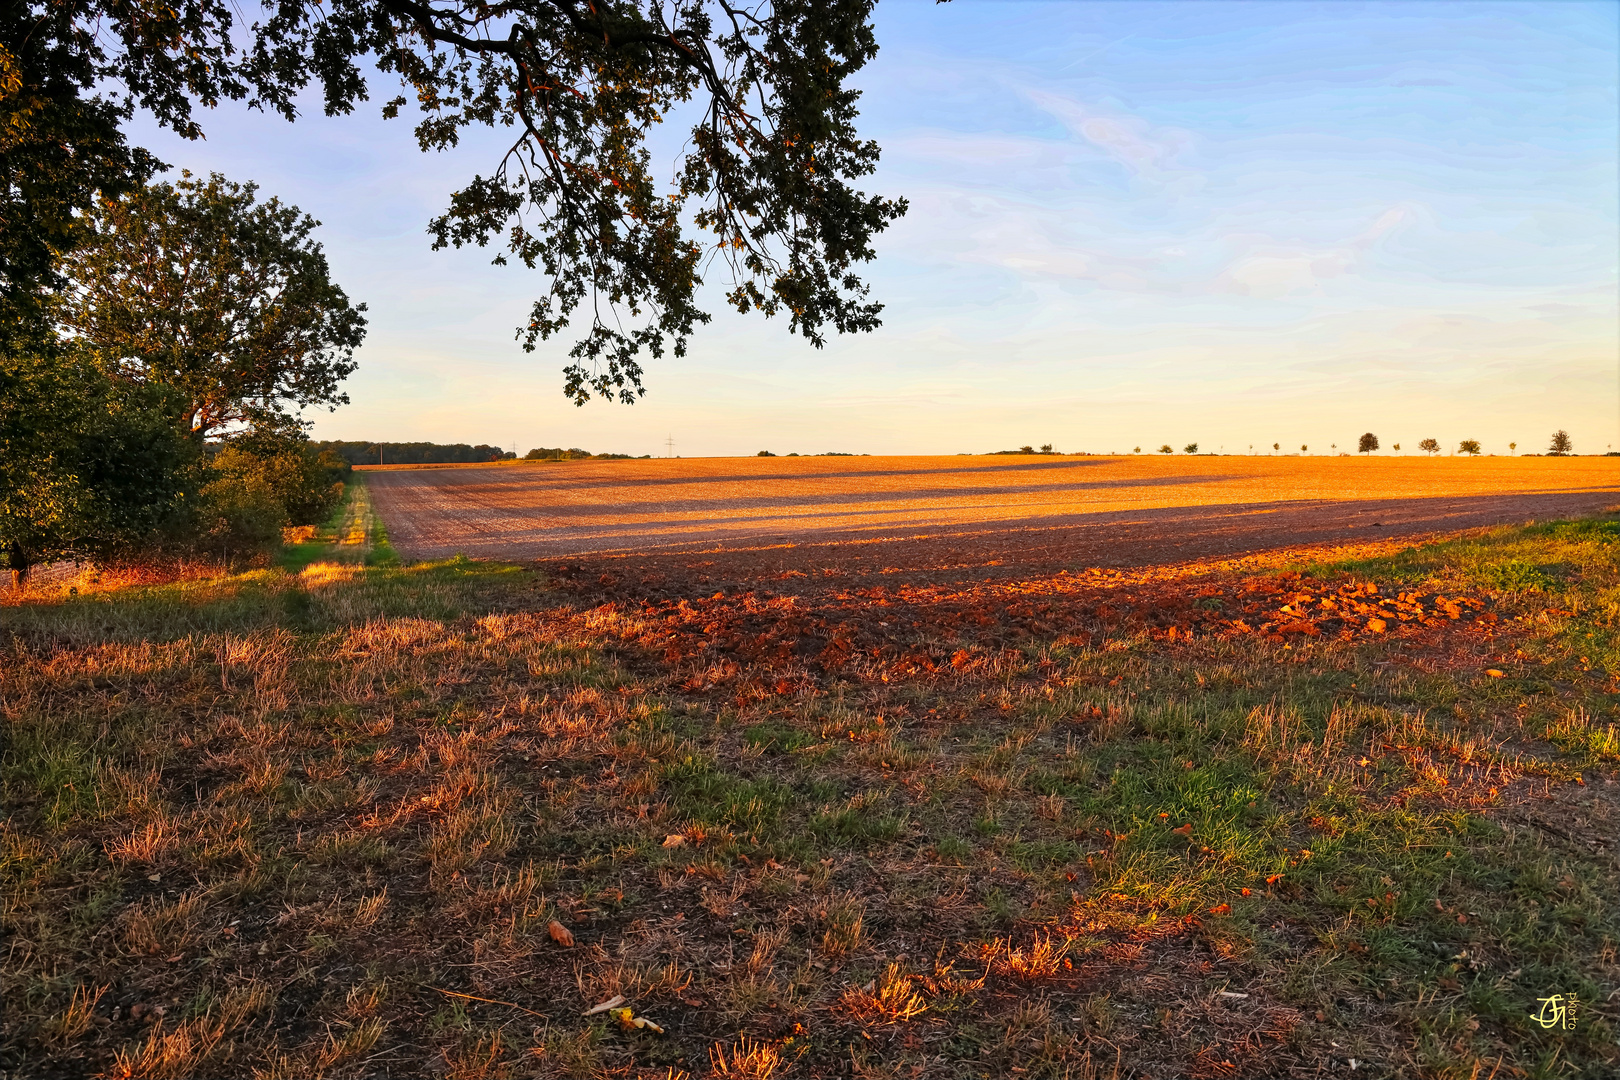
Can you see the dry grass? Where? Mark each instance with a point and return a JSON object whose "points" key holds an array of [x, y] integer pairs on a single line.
{"points": [[320, 822]]}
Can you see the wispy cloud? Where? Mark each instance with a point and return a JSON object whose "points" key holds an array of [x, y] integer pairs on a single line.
{"points": [[1147, 150], [1268, 270]]}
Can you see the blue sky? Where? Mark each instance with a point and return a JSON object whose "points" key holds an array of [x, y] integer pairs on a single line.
{"points": [[1131, 224]]}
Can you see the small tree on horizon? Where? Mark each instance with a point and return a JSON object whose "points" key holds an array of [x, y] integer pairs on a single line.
{"points": [[1396, 448], [1138, 450], [1469, 447], [1430, 446], [1167, 449], [1369, 443], [1304, 449], [1276, 446], [1046, 448], [1561, 445], [1190, 448], [1512, 446]]}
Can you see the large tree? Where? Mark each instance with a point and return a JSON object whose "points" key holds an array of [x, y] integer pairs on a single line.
{"points": [[228, 301], [766, 178]]}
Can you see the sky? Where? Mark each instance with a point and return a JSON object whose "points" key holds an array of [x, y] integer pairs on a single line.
{"points": [[1235, 224]]}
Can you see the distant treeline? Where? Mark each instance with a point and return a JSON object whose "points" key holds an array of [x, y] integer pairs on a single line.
{"points": [[574, 453], [412, 453]]}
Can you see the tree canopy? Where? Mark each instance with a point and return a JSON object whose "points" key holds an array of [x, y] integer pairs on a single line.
{"points": [[59, 147], [766, 178], [199, 287]]}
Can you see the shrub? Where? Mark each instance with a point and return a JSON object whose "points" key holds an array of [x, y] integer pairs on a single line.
{"points": [[238, 511], [92, 466], [1190, 448], [1167, 449], [764, 453], [262, 481]]}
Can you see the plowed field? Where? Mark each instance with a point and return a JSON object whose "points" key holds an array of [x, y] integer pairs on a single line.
{"points": [[960, 516]]}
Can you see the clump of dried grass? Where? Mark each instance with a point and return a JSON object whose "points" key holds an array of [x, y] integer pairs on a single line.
{"points": [[746, 1059], [888, 999], [1043, 957]]}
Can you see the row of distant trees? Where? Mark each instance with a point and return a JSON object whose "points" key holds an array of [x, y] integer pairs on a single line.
{"points": [[1560, 445], [356, 452], [557, 453]]}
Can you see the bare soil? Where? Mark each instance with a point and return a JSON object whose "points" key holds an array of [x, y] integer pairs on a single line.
{"points": [[796, 521]]}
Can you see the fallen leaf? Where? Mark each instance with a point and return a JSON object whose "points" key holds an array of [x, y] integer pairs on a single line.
{"points": [[154, 877], [1376, 625], [561, 934], [603, 1006], [1185, 830], [1221, 909], [674, 839], [1493, 673]]}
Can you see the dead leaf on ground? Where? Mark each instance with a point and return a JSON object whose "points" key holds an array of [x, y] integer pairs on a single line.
{"points": [[674, 839], [603, 1006], [561, 934]]}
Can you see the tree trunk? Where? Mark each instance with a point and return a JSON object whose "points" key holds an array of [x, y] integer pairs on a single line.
{"points": [[20, 564]]}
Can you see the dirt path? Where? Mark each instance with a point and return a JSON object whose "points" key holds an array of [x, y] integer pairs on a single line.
{"points": [[796, 519]]}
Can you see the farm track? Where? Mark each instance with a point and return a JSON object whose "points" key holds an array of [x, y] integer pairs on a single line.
{"points": [[797, 522]]}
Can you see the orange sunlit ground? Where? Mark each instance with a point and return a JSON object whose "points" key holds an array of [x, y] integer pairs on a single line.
{"points": [[1026, 510], [1151, 769]]}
